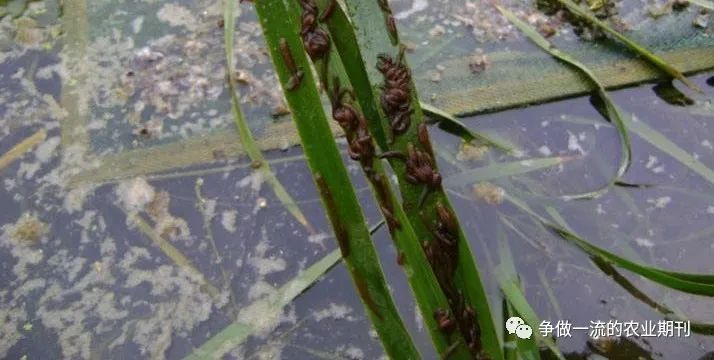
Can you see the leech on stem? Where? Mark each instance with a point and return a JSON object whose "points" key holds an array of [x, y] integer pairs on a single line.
{"points": [[295, 73]]}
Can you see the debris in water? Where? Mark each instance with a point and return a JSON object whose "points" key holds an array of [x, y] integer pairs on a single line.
{"points": [[135, 194], [544, 150], [28, 229], [644, 242], [334, 311], [228, 220], [702, 20], [489, 193], [437, 31], [471, 152], [478, 63], [661, 202], [28, 32]]}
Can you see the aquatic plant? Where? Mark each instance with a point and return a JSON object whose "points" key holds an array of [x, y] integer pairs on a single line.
{"points": [[346, 76]]}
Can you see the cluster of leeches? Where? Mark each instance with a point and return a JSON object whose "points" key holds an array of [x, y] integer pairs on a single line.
{"points": [[396, 97], [389, 20], [442, 253], [396, 94]]}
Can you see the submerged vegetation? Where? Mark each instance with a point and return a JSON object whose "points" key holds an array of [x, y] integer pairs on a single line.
{"points": [[136, 142]]}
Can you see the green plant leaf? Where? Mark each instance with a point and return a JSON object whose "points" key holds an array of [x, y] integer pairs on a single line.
{"points": [[499, 170], [375, 38], [330, 174], [235, 334], [699, 284], [244, 133], [638, 49], [508, 281], [523, 349], [610, 110], [428, 294], [451, 124], [658, 140], [661, 142]]}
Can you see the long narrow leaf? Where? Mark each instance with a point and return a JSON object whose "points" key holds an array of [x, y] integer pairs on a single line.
{"points": [[451, 124], [508, 281], [611, 110], [377, 38], [652, 58], [658, 140], [498, 170], [430, 298], [22, 147], [235, 334], [525, 348], [244, 133], [699, 284], [293, 69]]}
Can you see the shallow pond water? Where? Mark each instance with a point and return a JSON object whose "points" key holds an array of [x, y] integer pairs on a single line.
{"points": [[132, 227]]}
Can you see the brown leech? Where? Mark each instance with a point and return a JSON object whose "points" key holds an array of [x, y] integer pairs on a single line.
{"points": [[396, 92], [367, 297], [295, 73], [315, 39], [389, 20], [342, 112], [421, 170], [332, 211]]}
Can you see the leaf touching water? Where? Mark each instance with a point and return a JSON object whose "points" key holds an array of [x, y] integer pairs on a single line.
{"points": [[504, 169], [637, 48], [22, 147], [610, 109], [699, 284], [236, 333], [450, 123], [244, 133]]}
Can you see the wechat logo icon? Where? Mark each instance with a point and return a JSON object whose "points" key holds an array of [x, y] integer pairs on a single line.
{"points": [[518, 326]]}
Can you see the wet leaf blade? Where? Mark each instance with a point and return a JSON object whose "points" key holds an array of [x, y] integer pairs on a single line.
{"points": [[427, 293], [236, 333], [505, 169], [524, 349], [451, 124], [374, 38], [645, 53], [22, 147], [658, 140], [331, 177], [515, 297], [611, 111], [507, 277], [244, 132], [698, 284]]}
